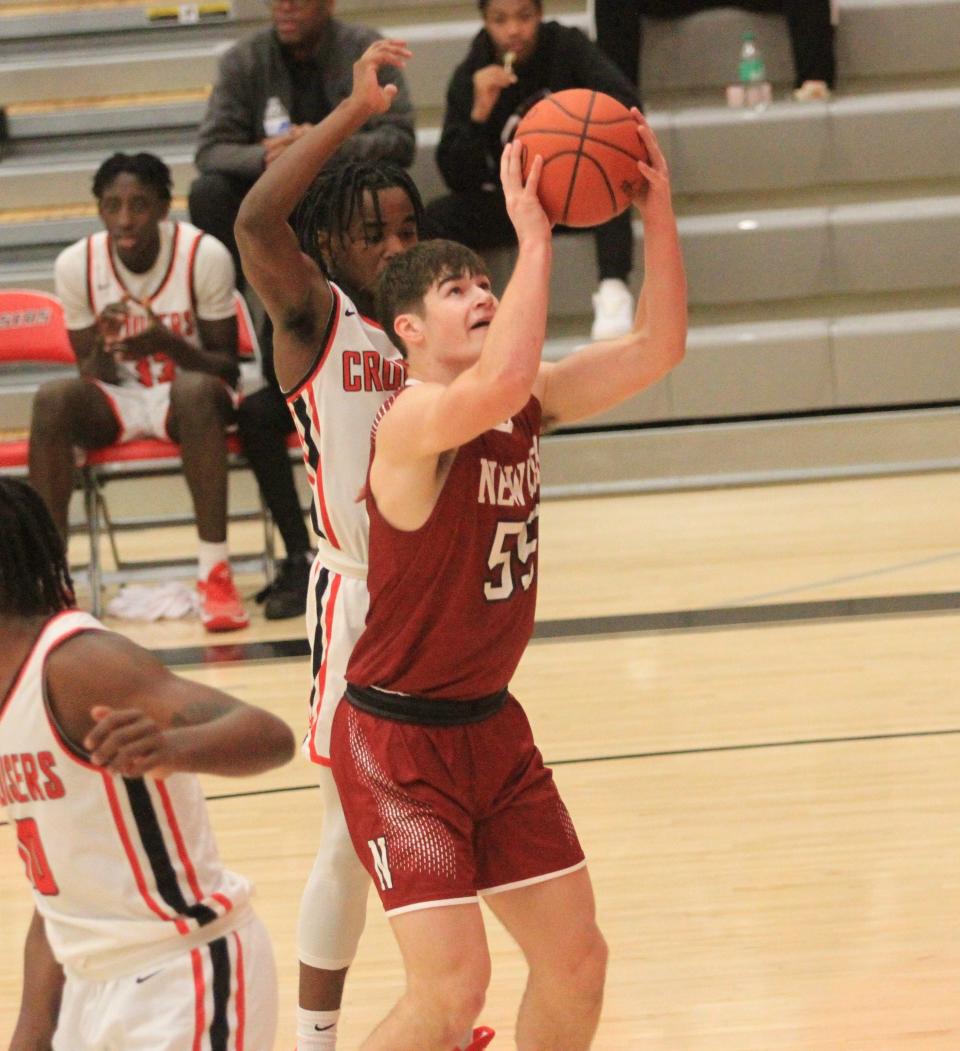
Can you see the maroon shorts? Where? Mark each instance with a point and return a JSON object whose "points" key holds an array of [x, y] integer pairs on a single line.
{"points": [[438, 814]]}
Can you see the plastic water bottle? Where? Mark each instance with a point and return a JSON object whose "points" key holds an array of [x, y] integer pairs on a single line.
{"points": [[276, 120], [752, 74]]}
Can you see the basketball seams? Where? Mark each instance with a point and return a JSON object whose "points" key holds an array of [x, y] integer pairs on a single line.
{"points": [[576, 164], [580, 138]]}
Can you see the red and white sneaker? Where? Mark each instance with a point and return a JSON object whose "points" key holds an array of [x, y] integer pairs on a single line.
{"points": [[220, 605], [482, 1036]]}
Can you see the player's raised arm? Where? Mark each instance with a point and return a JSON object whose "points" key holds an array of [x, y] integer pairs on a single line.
{"points": [[606, 373], [121, 705], [291, 286]]}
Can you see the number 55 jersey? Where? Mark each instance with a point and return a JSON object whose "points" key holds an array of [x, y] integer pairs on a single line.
{"points": [[452, 603]]}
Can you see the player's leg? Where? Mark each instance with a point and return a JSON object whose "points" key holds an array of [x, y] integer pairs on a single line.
{"points": [[200, 408], [333, 906], [531, 870], [447, 967], [66, 413], [332, 916], [567, 961]]}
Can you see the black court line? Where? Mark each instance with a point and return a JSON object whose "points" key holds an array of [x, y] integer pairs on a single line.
{"points": [[719, 618], [663, 753]]}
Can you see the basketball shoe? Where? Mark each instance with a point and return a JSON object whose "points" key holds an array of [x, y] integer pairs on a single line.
{"points": [[612, 309], [220, 605], [482, 1036]]}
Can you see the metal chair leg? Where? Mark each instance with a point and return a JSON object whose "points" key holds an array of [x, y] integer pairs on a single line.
{"points": [[95, 570]]}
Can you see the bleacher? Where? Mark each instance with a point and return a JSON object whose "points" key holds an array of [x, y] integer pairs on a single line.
{"points": [[822, 240]]}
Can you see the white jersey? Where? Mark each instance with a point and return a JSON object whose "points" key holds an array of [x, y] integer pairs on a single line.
{"points": [[356, 369], [125, 871], [192, 277]]}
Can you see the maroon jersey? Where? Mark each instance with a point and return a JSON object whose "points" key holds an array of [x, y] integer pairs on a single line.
{"points": [[452, 603]]}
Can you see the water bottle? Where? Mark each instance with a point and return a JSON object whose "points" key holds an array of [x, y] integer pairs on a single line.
{"points": [[276, 120], [752, 74]]}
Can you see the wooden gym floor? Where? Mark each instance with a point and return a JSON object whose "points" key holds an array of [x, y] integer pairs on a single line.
{"points": [[750, 697]]}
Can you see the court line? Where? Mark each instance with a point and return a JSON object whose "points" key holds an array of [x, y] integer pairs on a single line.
{"points": [[709, 619], [847, 578], [664, 753]]}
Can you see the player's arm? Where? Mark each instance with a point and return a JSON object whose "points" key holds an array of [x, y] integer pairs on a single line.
{"points": [[117, 702], [607, 373], [292, 288], [42, 990]]}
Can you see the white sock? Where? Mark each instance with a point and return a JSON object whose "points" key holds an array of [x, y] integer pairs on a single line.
{"points": [[316, 1030], [210, 555]]}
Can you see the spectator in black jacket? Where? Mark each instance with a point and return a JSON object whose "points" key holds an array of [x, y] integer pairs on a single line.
{"points": [[513, 61]]}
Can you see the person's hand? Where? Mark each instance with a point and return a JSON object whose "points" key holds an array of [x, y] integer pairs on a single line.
{"points": [[276, 144], [487, 85], [523, 205], [368, 92], [655, 194], [110, 322], [127, 742]]}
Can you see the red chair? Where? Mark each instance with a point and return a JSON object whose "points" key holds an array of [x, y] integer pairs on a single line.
{"points": [[32, 334]]}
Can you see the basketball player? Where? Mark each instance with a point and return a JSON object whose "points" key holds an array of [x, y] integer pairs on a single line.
{"points": [[149, 305], [445, 793], [336, 367], [140, 938]]}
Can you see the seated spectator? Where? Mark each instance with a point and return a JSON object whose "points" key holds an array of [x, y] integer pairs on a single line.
{"points": [[620, 35], [149, 305], [272, 87], [512, 62]]}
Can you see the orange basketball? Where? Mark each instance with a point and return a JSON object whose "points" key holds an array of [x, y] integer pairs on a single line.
{"points": [[590, 149]]}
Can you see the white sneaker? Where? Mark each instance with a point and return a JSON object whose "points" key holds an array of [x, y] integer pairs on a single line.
{"points": [[812, 91], [612, 309]]}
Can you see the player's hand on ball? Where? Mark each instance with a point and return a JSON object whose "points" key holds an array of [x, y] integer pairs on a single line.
{"points": [[523, 205], [367, 89], [656, 189], [127, 742]]}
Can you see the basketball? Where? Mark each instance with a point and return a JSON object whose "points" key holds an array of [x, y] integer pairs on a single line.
{"points": [[590, 148]]}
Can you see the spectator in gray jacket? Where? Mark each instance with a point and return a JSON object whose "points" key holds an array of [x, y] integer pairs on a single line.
{"points": [[272, 86]]}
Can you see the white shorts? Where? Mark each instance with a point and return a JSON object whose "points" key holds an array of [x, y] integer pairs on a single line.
{"points": [[140, 412], [336, 614], [144, 412], [218, 997]]}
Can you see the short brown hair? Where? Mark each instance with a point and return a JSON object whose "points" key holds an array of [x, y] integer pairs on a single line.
{"points": [[409, 276]]}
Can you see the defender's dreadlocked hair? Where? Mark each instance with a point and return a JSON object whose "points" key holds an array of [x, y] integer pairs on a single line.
{"points": [[150, 170], [336, 196], [34, 578]]}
